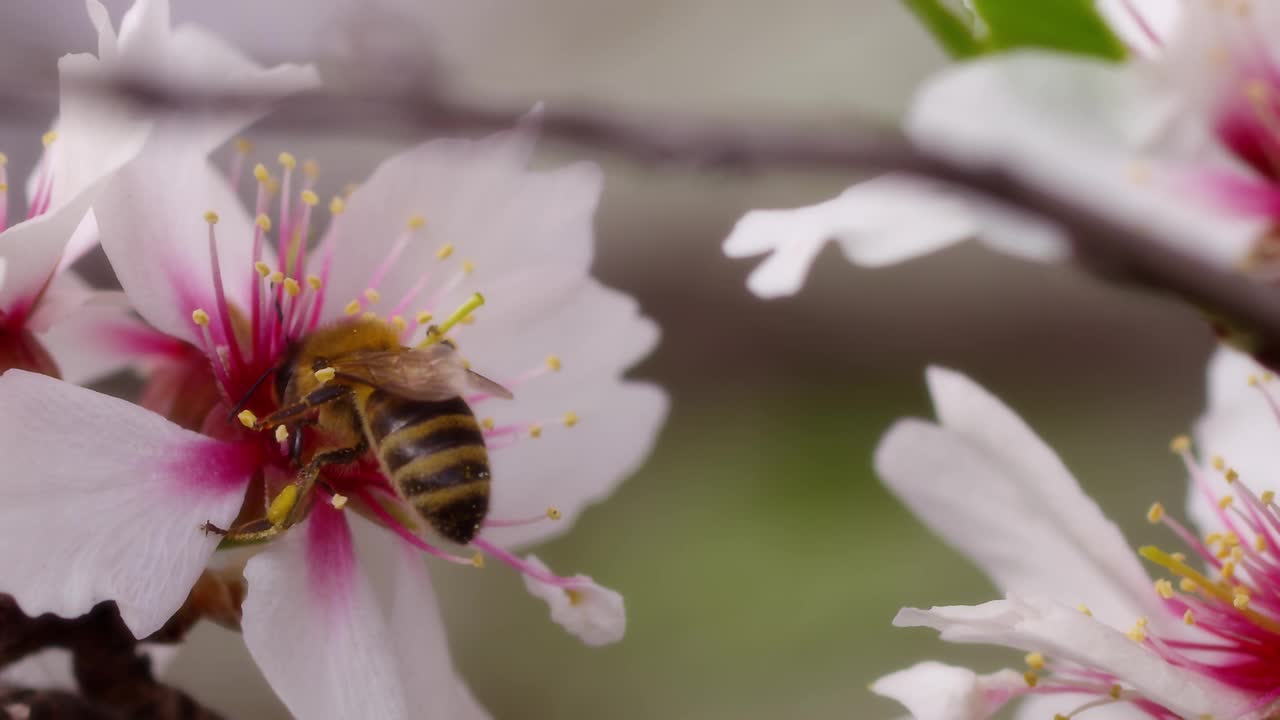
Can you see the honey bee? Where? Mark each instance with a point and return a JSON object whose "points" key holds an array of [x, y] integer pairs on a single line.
{"points": [[363, 390]]}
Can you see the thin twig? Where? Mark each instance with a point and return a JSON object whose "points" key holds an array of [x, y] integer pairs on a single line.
{"points": [[1113, 249]]}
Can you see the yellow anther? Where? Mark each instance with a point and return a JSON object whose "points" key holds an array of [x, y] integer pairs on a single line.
{"points": [[535, 431], [1241, 601], [553, 363], [570, 419], [373, 296], [1253, 381], [263, 222], [260, 173], [1156, 513], [1035, 661], [1259, 543], [282, 433], [398, 322], [200, 317], [287, 160], [468, 267], [211, 217], [1231, 475], [338, 501], [487, 423], [1187, 585], [1228, 570], [1188, 618], [337, 205], [4, 159], [369, 315], [292, 287], [1267, 497], [1141, 622], [1116, 691], [1164, 588], [49, 137], [352, 307], [1180, 444], [422, 318], [416, 222], [311, 169], [553, 513], [1137, 634], [324, 375], [1225, 501], [1218, 463], [309, 198], [1030, 678], [243, 146], [1213, 538], [276, 277], [477, 561], [314, 282], [475, 301], [1084, 609], [444, 252], [1231, 539], [247, 418], [278, 512], [1237, 553], [263, 269]]}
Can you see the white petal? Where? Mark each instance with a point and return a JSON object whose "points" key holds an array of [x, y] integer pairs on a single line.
{"points": [[114, 497], [104, 337], [31, 250], [1144, 25], [314, 627], [934, 691], [433, 686], [1096, 133], [1043, 707], [878, 222], [66, 294], [477, 196], [593, 614], [1047, 538], [597, 333], [1228, 378], [1065, 634], [151, 221], [84, 239]]}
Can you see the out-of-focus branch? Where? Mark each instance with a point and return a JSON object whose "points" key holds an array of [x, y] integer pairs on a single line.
{"points": [[1117, 251], [115, 679]]}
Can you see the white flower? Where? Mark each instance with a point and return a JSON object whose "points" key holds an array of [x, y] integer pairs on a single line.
{"points": [[426, 230], [92, 138], [1097, 634], [1179, 140], [955, 693]]}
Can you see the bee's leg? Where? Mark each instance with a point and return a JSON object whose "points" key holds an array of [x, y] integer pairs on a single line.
{"points": [[250, 533], [307, 477], [322, 396], [295, 441]]}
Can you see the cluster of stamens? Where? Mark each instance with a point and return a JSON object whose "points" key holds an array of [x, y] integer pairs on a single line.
{"points": [[286, 304]]}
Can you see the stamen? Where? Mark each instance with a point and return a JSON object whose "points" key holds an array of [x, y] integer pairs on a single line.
{"points": [[525, 568], [338, 501], [282, 433], [324, 375], [407, 535], [551, 514], [283, 503], [247, 418], [437, 334]]}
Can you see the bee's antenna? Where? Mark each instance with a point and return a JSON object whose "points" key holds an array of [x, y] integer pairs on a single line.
{"points": [[252, 389]]}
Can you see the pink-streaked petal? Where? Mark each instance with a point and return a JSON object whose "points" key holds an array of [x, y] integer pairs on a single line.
{"points": [[313, 625], [151, 221], [1065, 634], [104, 337], [477, 196], [65, 294], [879, 222], [113, 496], [934, 691], [594, 614], [1048, 537], [1144, 25]]}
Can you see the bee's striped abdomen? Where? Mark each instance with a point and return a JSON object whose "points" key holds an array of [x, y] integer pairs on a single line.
{"points": [[435, 455]]}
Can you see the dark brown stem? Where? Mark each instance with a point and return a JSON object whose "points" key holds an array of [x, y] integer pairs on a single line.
{"points": [[114, 677]]}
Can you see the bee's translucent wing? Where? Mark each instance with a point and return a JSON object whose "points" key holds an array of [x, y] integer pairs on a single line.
{"points": [[436, 372]]}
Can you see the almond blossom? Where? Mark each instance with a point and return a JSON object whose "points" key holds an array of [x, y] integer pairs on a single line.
{"points": [[1178, 140], [91, 138], [225, 294], [1103, 639]]}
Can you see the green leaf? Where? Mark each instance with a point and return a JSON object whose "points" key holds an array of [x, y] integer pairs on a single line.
{"points": [[1072, 26], [952, 32]]}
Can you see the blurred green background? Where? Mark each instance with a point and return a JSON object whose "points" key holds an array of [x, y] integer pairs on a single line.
{"points": [[760, 559]]}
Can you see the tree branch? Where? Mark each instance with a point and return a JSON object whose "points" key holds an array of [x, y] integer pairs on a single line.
{"points": [[1110, 248]]}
